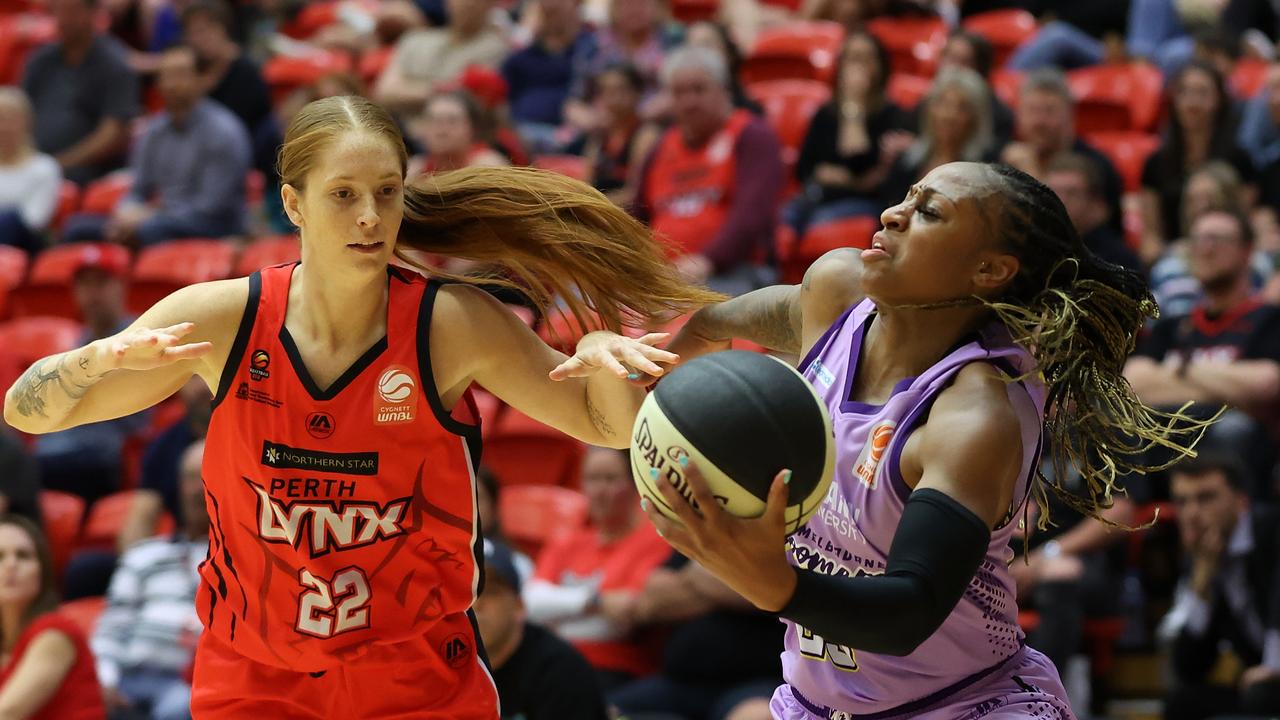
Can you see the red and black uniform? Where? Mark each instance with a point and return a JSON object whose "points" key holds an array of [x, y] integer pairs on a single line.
{"points": [[344, 543]]}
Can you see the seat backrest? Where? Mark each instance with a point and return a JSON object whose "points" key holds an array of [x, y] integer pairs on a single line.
{"points": [[789, 105], [62, 514], [28, 339], [106, 518], [102, 196], [267, 252], [533, 515], [85, 612], [13, 266]]}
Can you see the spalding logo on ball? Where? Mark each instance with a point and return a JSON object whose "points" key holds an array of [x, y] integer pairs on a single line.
{"points": [[395, 385], [740, 417]]}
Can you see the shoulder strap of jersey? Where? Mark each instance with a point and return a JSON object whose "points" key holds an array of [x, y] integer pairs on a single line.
{"points": [[242, 338]]}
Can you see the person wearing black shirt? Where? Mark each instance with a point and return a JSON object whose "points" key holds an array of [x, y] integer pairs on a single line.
{"points": [[1077, 180], [1228, 593], [539, 676], [1225, 352], [852, 141]]}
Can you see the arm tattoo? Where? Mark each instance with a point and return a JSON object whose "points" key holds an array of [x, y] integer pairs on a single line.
{"points": [[28, 390], [769, 317], [598, 419]]}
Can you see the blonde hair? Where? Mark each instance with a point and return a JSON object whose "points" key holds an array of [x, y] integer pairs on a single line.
{"points": [[554, 238], [14, 98], [978, 95]]}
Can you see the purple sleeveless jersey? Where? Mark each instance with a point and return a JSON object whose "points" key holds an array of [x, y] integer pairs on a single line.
{"points": [[851, 534]]}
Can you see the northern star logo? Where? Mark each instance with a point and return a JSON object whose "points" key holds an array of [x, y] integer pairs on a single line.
{"points": [[284, 457], [396, 397]]}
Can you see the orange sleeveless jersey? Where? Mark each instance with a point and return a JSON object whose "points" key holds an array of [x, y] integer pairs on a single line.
{"points": [[342, 520], [690, 189]]}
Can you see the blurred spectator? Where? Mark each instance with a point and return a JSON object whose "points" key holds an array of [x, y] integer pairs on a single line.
{"points": [[158, 489], [721, 657], [487, 494], [83, 93], [47, 672], [1200, 129], [226, 74], [712, 186], [189, 168], [1045, 122], [854, 14], [145, 639], [20, 481], [636, 36], [447, 130], [1215, 186], [1259, 133], [328, 85], [428, 56], [1077, 180], [956, 126], [586, 580], [970, 50], [1067, 572], [85, 460], [1226, 352], [539, 676], [541, 76], [29, 180], [617, 147], [489, 89], [852, 141], [1229, 593], [715, 37]]}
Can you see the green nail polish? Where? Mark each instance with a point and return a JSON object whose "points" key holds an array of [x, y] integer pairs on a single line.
{"points": [[653, 473], [633, 376], [684, 461], [644, 504], [786, 478]]}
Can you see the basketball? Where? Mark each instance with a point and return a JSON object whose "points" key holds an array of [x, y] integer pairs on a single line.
{"points": [[741, 417]]}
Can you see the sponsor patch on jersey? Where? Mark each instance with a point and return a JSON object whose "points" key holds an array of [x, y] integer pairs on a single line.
{"points": [[456, 650], [244, 392], [873, 451], [259, 361], [284, 457], [320, 425], [395, 399], [824, 376]]}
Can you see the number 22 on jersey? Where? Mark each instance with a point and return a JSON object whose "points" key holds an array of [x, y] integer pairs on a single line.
{"points": [[329, 608]]}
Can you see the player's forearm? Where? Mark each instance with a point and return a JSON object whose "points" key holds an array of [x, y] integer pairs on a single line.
{"points": [[43, 397], [768, 316], [612, 406]]}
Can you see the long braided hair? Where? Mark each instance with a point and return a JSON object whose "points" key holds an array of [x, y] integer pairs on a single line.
{"points": [[1079, 316]]}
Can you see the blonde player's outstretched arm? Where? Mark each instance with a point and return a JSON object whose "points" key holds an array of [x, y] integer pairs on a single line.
{"points": [[187, 333]]}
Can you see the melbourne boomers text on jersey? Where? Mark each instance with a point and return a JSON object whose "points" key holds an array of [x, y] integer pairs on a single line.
{"points": [[343, 518]]}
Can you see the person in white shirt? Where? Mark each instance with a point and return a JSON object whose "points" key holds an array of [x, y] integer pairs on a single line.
{"points": [[29, 180]]}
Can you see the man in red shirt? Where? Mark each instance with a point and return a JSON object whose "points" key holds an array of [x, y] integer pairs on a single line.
{"points": [[712, 186]]}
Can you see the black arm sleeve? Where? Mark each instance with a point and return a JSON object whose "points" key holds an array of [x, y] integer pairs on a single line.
{"points": [[936, 550]]}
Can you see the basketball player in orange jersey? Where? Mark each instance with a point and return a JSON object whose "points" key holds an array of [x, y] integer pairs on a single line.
{"points": [[339, 467]]}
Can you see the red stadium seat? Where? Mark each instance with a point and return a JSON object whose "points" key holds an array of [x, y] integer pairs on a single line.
{"points": [[106, 518], [267, 252], [1005, 29], [1248, 77], [374, 62], [68, 203], [789, 105], [312, 18], [84, 612], [913, 43], [906, 91], [102, 196], [533, 515], [48, 287], [574, 166], [1116, 97], [62, 514], [523, 451], [284, 73], [852, 232], [164, 268], [30, 338], [794, 51], [1006, 85], [1127, 151], [21, 33], [13, 269], [691, 11]]}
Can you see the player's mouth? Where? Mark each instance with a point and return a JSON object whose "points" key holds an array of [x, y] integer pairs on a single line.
{"points": [[877, 250], [368, 248]]}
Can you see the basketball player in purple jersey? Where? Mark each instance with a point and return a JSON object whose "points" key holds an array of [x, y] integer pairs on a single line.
{"points": [[976, 320]]}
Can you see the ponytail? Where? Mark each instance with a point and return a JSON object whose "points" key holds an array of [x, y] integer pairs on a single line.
{"points": [[553, 238]]}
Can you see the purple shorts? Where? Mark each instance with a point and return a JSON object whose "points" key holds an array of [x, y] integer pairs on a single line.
{"points": [[1028, 687]]}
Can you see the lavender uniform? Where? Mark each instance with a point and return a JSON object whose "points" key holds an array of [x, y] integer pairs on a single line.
{"points": [[977, 664]]}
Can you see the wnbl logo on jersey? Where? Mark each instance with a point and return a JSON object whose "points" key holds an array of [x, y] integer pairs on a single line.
{"points": [[873, 451], [396, 397]]}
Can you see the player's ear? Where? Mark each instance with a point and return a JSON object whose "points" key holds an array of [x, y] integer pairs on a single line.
{"points": [[291, 197]]}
